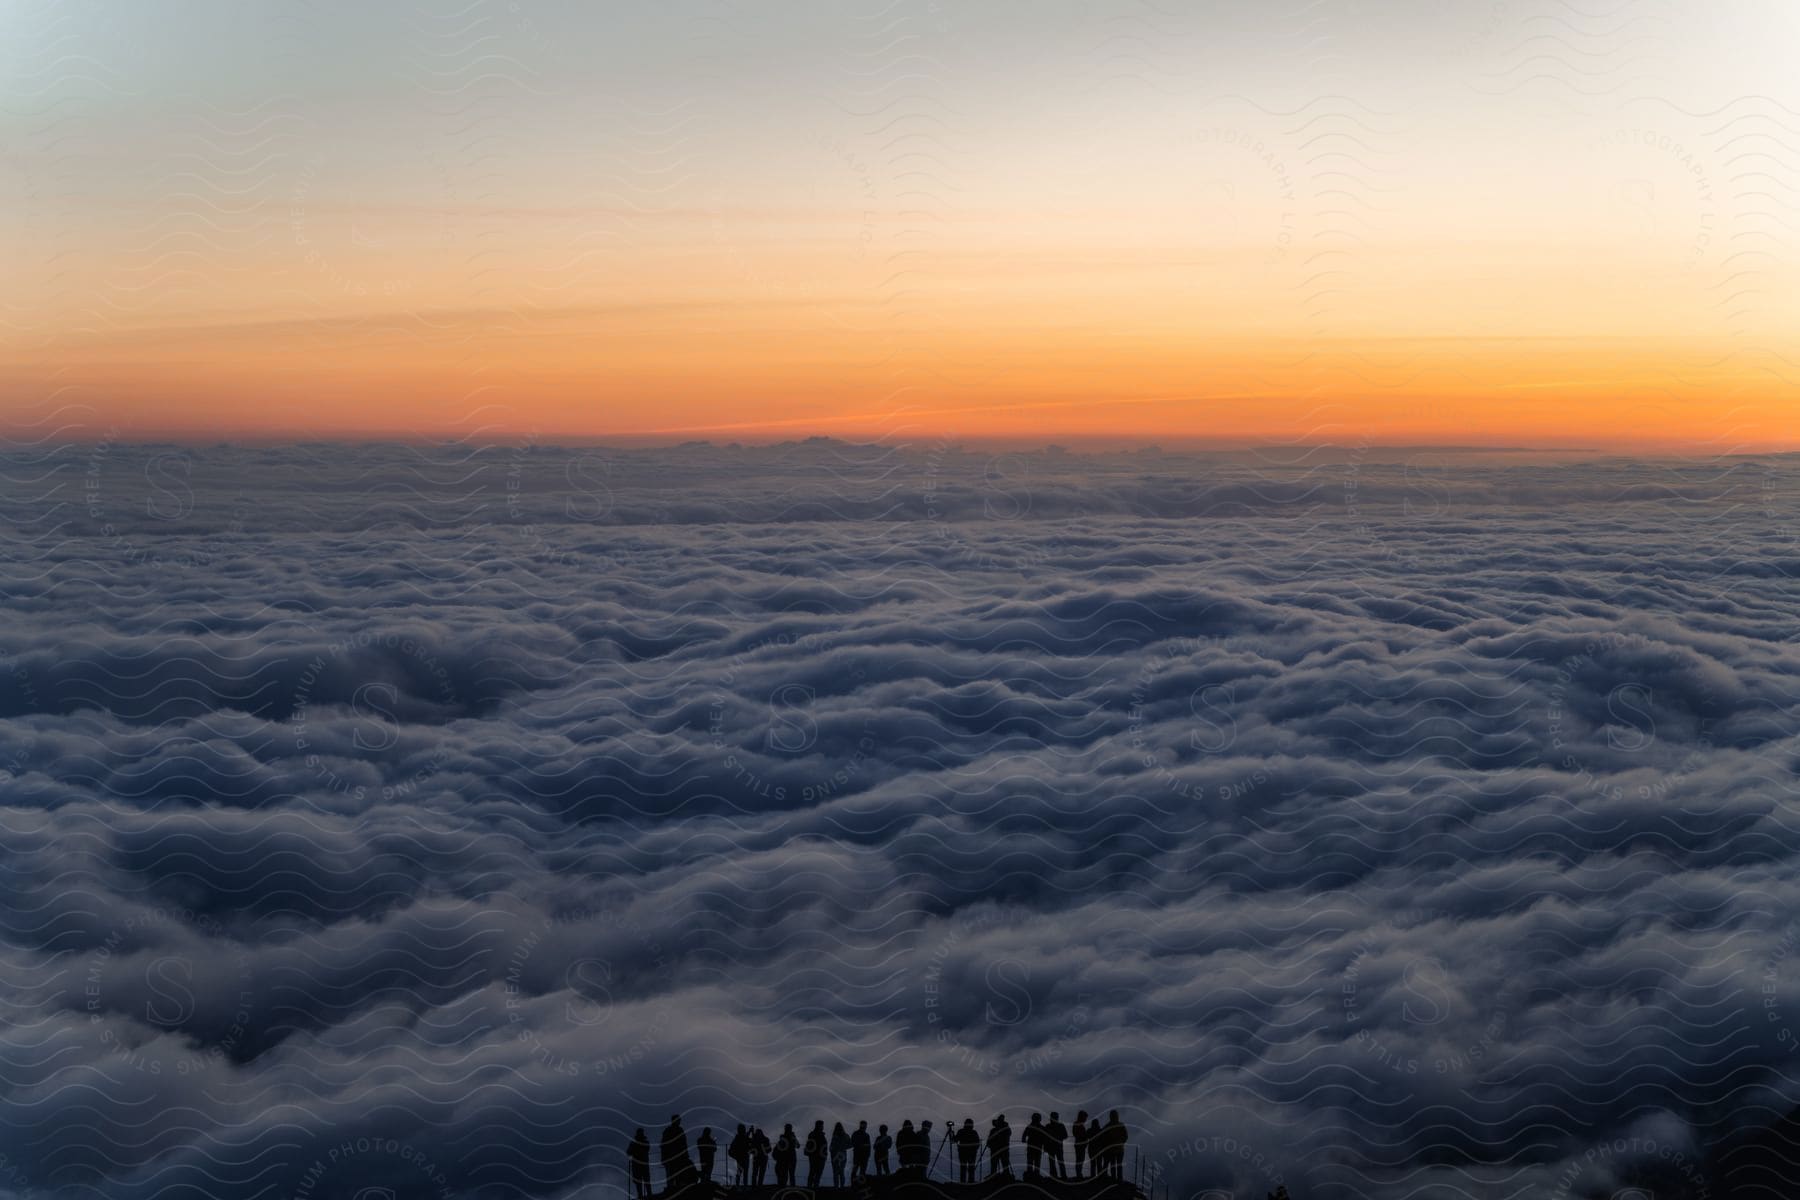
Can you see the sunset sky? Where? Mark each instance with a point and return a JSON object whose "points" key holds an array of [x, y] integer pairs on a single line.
{"points": [[1399, 220]]}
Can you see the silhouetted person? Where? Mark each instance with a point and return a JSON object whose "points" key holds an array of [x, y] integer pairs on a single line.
{"points": [[999, 1144], [1280, 1192], [787, 1156], [859, 1152], [1099, 1148], [1116, 1137], [637, 1154], [883, 1144], [1033, 1137], [738, 1151], [708, 1151], [840, 1147], [759, 1156], [1083, 1141], [968, 1151], [923, 1149], [678, 1168], [815, 1154], [1055, 1133], [903, 1146]]}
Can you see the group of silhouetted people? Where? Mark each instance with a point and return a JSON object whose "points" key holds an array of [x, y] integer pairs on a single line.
{"points": [[1098, 1146]]}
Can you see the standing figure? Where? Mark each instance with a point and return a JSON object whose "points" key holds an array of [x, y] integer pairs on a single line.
{"points": [[1033, 1137], [815, 1154], [738, 1151], [759, 1156], [968, 1151], [999, 1144], [1116, 1137], [637, 1155], [840, 1146], [903, 1145], [1055, 1133], [1083, 1140], [859, 1152], [709, 1153], [1099, 1148], [678, 1168], [883, 1144], [787, 1156]]}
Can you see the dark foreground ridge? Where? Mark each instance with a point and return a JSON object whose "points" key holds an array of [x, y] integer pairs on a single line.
{"points": [[901, 1187]]}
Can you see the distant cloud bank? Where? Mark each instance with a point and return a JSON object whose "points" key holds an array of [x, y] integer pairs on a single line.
{"points": [[1381, 823]]}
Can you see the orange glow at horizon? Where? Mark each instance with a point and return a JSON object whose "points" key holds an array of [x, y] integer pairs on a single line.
{"points": [[760, 374]]}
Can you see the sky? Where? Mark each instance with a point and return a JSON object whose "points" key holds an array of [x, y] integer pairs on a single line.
{"points": [[1520, 222]]}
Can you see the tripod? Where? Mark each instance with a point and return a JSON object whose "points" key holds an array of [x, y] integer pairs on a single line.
{"points": [[949, 1130]]}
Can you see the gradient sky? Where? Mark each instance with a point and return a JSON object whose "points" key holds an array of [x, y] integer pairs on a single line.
{"points": [[1393, 220]]}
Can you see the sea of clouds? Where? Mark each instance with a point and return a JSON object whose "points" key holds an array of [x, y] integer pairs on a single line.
{"points": [[1377, 823]]}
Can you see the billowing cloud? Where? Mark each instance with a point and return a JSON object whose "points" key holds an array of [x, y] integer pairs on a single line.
{"points": [[1381, 823]]}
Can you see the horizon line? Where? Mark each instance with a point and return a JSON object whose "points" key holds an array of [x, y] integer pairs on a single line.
{"points": [[11, 441]]}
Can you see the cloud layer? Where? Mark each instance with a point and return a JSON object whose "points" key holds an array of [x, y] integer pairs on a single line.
{"points": [[1381, 823]]}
